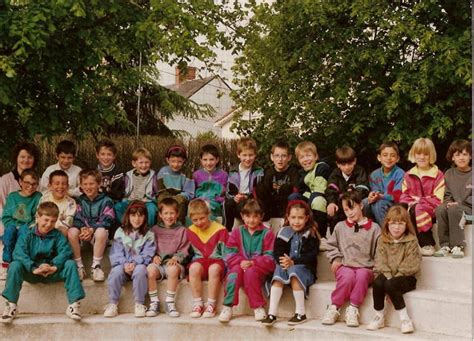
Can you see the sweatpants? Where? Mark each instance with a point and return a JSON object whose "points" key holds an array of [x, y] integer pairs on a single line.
{"points": [[10, 235], [118, 277], [394, 287], [449, 232], [352, 285], [17, 273]]}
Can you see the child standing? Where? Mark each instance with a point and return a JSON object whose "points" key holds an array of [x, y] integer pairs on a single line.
{"points": [[397, 260], [171, 251], [211, 181], [132, 250], [351, 251], [208, 246], [457, 200], [42, 255], [57, 193], [385, 182], [249, 259], [20, 209], [242, 181], [172, 182], [112, 183], [423, 190], [140, 184], [65, 154], [296, 251], [94, 216]]}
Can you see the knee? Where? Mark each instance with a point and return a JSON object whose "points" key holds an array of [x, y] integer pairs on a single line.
{"points": [[100, 234], [152, 271], [140, 270], [379, 282], [15, 266], [69, 265], [173, 271], [73, 233], [389, 286], [195, 270], [215, 271]]}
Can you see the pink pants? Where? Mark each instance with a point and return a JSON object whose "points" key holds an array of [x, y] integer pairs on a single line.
{"points": [[351, 284]]}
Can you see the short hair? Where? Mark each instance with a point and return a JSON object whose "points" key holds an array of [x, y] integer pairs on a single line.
{"points": [[141, 152], [388, 144], [281, 145], [85, 173], [424, 146], [58, 172], [397, 213], [30, 148], [176, 151], [106, 143], [66, 147], [352, 198], [306, 146], [29, 172], [198, 206], [48, 208], [458, 146], [168, 202], [246, 143], [252, 206], [345, 154], [209, 149], [135, 206]]}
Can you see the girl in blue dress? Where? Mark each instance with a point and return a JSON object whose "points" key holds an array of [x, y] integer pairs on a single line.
{"points": [[296, 249]]}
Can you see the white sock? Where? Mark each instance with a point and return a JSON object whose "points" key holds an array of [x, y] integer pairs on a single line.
{"points": [[96, 261], [198, 301], [275, 296], [153, 296], [170, 296], [403, 313], [299, 301], [211, 301], [79, 262], [380, 313]]}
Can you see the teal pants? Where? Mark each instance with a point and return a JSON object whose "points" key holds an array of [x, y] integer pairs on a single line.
{"points": [[17, 273]]}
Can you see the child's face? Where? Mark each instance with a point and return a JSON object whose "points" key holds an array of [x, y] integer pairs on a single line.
{"points": [[90, 186], [422, 160], [347, 168], [136, 220], [209, 162], [388, 157], [247, 158], [280, 158], [28, 185], [353, 214], [59, 186], [462, 159], [24, 160], [175, 163], [307, 160], [45, 223], [297, 218], [65, 160], [201, 220], [168, 215], [252, 220], [142, 165], [106, 157], [397, 228]]}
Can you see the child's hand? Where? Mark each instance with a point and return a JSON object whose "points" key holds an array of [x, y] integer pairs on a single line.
{"points": [[128, 268], [157, 260], [449, 204], [332, 209], [40, 270], [286, 261], [373, 197], [51, 270], [86, 233], [239, 197], [334, 266], [172, 261], [245, 264]]}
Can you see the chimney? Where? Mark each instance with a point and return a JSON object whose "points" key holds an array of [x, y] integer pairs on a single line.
{"points": [[187, 74]]}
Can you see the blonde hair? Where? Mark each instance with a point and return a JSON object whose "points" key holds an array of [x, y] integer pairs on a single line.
{"points": [[306, 146], [246, 143], [424, 146], [48, 208], [141, 152], [396, 214], [198, 206]]}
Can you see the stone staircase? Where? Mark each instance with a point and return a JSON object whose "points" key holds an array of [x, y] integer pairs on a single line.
{"points": [[441, 309]]}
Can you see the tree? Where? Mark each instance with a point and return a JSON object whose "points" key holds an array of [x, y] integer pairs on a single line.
{"points": [[357, 72], [74, 66]]}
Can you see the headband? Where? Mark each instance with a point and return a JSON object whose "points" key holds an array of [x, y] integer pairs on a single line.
{"points": [[176, 148]]}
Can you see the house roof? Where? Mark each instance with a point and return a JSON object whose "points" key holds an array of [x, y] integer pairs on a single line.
{"points": [[226, 117], [189, 88]]}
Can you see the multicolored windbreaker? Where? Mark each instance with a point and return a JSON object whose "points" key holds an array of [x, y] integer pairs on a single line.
{"points": [[211, 187], [94, 213], [132, 248], [257, 247], [389, 185], [313, 185], [208, 243], [233, 182], [426, 190], [176, 182]]}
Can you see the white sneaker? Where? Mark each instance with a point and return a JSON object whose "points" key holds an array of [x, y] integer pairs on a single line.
{"points": [[153, 310], [407, 327], [140, 310], [457, 252], [427, 250], [352, 316], [226, 314], [111, 310], [377, 322], [97, 274], [171, 310], [331, 315], [82, 273], [9, 312], [443, 252], [73, 311], [260, 314], [323, 245]]}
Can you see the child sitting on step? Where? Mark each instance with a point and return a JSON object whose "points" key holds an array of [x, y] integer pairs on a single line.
{"points": [[397, 260], [351, 252], [296, 251], [132, 250]]}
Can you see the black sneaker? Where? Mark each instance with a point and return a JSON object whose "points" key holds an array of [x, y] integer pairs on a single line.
{"points": [[269, 320], [297, 319]]}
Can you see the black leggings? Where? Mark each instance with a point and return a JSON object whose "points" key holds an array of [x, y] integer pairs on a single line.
{"points": [[394, 287]]}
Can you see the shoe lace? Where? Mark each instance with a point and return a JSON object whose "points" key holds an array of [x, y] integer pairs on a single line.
{"points": [[210, 308], [456, 249], [197, 308]]}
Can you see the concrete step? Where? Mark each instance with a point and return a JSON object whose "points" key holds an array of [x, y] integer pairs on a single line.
{"points": [[127, 327], [453, 310]]}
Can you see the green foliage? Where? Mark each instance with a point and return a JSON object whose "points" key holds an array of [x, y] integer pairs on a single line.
{"points": [[73, 66], [357, 72]]}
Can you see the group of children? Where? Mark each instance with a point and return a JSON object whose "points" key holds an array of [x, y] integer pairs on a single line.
{"points": [[154, 240]]}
